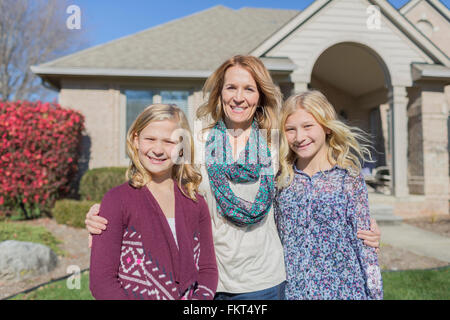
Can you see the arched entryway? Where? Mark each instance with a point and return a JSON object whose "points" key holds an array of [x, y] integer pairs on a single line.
{"points": [[356, 81]]}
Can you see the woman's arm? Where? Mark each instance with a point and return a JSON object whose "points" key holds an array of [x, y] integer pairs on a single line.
{"points": [[278, 219], [367, 256], [105, 253], [94, 223], [371, 237], [208, 275]]}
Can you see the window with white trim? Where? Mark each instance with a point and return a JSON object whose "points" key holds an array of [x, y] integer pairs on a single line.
{"points": [[138, 100]]}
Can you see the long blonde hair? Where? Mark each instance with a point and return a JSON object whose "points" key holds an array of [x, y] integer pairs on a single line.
{"points": [[186, 174], [343, 141], [270, 97]]}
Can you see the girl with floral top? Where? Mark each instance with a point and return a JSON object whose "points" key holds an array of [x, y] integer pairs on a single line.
{"points": [[158, 245], [321, 203]]}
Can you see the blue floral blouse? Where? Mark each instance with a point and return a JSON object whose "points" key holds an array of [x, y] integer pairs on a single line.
{"points": [[317, 219]]}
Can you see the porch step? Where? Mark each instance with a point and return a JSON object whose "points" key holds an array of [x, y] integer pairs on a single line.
{"points": [[384, 214]]}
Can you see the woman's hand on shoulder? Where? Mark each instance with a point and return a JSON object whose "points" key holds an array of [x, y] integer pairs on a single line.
{"points": [[371, 237], [94, 223]]}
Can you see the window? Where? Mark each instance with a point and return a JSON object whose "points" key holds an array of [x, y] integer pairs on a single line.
{"points": [[137, 100], [426, 27], [180, 98]]}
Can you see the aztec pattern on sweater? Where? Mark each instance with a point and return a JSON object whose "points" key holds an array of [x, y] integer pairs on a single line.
{"points": [[142, 276]]}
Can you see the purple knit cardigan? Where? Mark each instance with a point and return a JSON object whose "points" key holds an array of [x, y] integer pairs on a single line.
{"points": [[136, 257]]}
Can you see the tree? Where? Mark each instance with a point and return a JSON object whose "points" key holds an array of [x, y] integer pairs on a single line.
{"points": [[31, 32]]}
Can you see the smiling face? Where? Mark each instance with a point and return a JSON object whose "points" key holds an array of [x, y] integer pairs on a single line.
{"points": [[306, 137], [240, 98], [155, 144]]}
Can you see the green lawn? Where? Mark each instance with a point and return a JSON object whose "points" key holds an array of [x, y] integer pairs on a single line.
{"points": [[417, 285], [399, 285], [10, 230], [59, 291]]}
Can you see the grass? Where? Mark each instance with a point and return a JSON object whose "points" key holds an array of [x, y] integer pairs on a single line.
{"points": [[37, 234], [60, 290], [398, 285], [417, 284]]}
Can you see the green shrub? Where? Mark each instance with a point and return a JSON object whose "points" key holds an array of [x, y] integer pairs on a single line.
{"points": [[96, 182], [71, 212]]}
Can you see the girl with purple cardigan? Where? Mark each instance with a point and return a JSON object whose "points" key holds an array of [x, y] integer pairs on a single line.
{"points": [[158, 244]]}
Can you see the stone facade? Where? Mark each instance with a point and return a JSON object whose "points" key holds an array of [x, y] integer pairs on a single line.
{"points": [[428, 145], [99, 103]]}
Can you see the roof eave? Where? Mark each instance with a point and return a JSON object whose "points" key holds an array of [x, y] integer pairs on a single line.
{"points": [[52, 74], [55, 71], [279, 64], [440, 7], [430, 72], [408, 6]]}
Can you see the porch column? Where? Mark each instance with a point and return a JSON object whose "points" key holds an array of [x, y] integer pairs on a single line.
{"points": [[435, 147], [399, 146], [299, 86]]}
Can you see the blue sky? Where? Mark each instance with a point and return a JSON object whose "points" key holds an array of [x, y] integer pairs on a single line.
{"points": [[106, 20]]}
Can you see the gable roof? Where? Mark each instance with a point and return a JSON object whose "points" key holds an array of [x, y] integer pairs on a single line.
{"points": [[195, 44], [389, 12], [436, 4], [408, 6]]}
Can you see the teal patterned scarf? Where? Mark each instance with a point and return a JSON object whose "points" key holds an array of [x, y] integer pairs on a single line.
{"points": [[253, 163]]}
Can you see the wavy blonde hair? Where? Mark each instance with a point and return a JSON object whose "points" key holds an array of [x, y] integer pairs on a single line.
{"points": [[346, 145], [186, 174], [270, 98]]}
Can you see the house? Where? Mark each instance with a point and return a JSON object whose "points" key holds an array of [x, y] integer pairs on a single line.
{"points": [[385, 70]]}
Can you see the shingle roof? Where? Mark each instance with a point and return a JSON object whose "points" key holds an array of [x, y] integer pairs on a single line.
{"points": [[197, 42]]}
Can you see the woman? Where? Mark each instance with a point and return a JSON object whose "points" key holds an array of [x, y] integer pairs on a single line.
{"points": [[243, 98]]}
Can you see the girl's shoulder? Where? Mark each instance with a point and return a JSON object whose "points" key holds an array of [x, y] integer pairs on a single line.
{"points": [[351, 175], [348, 173], [199, 198], [201, 201], [354, 180], [117, 201], [122, 191]]}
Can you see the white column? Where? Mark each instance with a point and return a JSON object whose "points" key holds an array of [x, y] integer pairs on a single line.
{"points": [[196, 101], [399, 146], [157, 98], [299, 86]]}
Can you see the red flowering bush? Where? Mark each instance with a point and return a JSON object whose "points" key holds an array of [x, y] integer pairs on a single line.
{"points": [[38, 155]]}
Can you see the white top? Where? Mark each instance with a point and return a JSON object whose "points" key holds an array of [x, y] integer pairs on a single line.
{"points": [[248, 258], [171, 222]]}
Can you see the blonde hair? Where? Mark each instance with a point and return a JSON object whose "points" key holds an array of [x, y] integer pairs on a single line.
{"points": [[344, 148], [186, 175], [270, 97]]}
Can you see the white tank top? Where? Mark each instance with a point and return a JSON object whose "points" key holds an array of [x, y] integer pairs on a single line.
{"points": [[171, 222]]}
